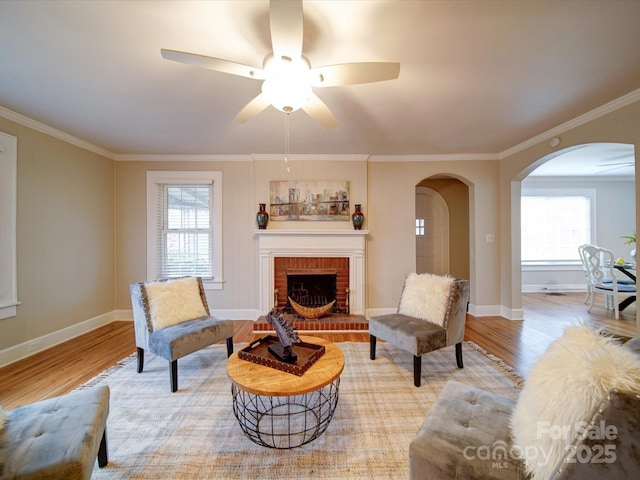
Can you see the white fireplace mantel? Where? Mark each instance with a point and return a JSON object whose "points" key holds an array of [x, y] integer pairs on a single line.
{"points": [[312, 243]]}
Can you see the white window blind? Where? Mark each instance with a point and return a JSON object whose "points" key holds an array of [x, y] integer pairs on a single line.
{"points": [[184, 231], [184, 226], [553, 226]]}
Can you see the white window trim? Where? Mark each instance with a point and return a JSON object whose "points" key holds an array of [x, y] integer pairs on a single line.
{"points": [[560, 192], [8, 200], [186, 177]]}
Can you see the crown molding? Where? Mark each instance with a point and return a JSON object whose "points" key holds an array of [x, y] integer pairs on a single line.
{"points": [[150, 157], [450, 157], [612, 106], [46, 129], [334, 157]]}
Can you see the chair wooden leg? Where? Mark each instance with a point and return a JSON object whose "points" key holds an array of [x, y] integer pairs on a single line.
{"points": [[417, 370], [103, 457], [229, 346], [459, 355], [372, 347], [140, 359], [173, 375]]}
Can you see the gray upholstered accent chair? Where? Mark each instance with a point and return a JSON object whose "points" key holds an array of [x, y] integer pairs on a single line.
{"points": [[171, 319], [59, 437], [431, 315], [467, 434]]}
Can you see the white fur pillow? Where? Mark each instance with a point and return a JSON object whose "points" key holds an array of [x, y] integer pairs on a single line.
{"points": [[561, 391], [426, 296], [174, 301]]}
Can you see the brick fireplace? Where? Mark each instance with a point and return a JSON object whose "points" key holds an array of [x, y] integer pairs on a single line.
{"points": [[299, 252], [311, 281]]}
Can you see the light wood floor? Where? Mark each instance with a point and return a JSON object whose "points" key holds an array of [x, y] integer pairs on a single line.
{"points": [[64, 367]]}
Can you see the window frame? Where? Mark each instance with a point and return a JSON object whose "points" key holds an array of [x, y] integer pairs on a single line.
{"points": [[587, 192], [8, 236], [181, 178]]}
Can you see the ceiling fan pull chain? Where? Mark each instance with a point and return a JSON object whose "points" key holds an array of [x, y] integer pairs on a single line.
{"points": [[286, 141]]}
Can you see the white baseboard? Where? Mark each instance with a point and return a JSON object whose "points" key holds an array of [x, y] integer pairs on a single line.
{"points": [[220, 313], [35, 345], [376, 312], [545, 288], [237, 314], [25, 349]]}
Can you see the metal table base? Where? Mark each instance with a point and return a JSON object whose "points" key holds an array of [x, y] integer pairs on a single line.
{"points": [[285, 421]]}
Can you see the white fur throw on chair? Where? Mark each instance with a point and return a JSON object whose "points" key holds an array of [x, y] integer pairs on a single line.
{"points": [[174, 301], [563, 389], [426, 296]]}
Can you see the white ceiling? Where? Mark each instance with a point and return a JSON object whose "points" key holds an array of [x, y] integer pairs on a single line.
{"points": [[476, 77], [596, 159]]}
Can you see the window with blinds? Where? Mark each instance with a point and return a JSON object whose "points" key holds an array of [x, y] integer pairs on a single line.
{"points": [[184, 222], [184, 231]]}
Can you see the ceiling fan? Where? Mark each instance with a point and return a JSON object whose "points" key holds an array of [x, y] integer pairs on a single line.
{"points": [[287, 74], [611, 164], [614, 166]]}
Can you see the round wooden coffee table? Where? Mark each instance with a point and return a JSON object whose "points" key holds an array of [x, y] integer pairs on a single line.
{"points": [[279, 409]]}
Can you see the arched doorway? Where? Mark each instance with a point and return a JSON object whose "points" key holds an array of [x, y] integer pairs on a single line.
{"points": [[432, 232], [443, 202], [604, 169]]}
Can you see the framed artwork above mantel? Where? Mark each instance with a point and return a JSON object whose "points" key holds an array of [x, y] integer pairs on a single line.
{"points": [[309, 200]]}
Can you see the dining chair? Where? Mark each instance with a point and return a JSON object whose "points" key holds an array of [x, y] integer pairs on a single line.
{"points": [[599, 264], [586, 273]]}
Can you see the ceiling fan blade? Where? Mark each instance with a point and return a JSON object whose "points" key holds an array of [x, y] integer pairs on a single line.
{"points": [[353, 73], [317, 110], [285, 17], [626, 164], [253, 108], [217, 64]]}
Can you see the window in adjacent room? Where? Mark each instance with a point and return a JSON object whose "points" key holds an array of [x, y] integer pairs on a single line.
{"points": [[419, 227], [554, 224], [184, 226], [8, 251]]}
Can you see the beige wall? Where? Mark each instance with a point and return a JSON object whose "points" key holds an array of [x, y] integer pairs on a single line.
{"points": [[65, 236], [239, 208], [82, 224], [391, 243], [245, 184]]}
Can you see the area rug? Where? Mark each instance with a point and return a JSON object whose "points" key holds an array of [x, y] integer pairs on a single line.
{"points": [[193, 433]]}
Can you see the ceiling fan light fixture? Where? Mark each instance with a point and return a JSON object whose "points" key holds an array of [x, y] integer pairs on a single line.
{"points": [[288, 83]]}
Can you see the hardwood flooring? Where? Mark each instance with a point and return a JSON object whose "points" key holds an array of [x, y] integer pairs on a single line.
{"points": [[64, 367]]}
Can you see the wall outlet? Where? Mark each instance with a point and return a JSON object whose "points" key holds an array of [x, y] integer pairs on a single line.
{"points": [[490, 238]]}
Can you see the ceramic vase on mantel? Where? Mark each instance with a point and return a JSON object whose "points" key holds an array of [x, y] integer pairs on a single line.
{"points": [[357, 218], [262, 217]]}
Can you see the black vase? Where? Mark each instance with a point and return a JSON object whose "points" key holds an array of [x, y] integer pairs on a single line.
{"points": [[262, 217], [357, 218]]}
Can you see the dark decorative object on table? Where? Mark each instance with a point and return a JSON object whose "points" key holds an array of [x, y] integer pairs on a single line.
{"points": [[262, 217], [358, 217], [287, 336]]}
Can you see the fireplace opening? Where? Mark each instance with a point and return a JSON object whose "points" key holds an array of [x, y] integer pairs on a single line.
{"points": [[310, 275], [311, 289]]}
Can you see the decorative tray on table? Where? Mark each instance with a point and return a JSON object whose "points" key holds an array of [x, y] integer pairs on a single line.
{"points": [[258, 352]]}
